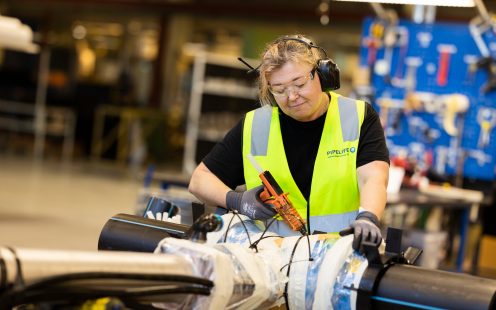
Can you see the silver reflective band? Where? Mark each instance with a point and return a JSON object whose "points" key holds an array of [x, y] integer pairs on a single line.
{"points": [[332, 222], [326, 223], [260, 129], [262, 117], [349, 118]]}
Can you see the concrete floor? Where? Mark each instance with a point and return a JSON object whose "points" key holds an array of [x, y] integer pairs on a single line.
{"points": [[51, 206]]}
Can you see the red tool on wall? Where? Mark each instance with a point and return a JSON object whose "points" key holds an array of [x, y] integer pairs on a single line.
{"points": [[445, 51]]}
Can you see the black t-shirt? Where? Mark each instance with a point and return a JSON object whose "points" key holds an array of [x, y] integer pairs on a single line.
{"points": [[301, 143]]}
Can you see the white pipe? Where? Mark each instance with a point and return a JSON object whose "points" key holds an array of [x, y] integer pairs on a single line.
{"points": [[40, 264]]}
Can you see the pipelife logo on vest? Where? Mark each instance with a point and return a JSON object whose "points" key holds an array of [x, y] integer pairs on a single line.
{"points": [[341, 152]]}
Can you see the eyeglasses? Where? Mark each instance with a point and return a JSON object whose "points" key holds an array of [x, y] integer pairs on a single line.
{"points": [[296, 86]]}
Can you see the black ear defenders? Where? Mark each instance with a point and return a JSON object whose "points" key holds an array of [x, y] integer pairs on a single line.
{"points": [[326, 68]]}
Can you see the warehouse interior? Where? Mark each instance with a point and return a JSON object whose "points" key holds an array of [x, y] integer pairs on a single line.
{"points": [[105, 104]]}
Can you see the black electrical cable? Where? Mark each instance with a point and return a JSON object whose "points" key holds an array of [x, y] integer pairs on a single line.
{"points": [[3, 274], [129, 292], [310, 258], [308, 216], [228, 227], [286, 300], [264, 237], [244, 226], [116, 275], [169, 289], [61, 279], [242, 223], [285, 294], [19, 278], [254, 244], [267, 227], [79, 294]]}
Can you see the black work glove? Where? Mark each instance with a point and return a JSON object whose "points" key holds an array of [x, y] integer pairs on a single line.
{"points": [[249, 203], [365, 228]]}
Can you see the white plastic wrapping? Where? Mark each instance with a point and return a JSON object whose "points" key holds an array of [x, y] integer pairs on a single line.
{"points": [[243, 231], [208, 263], [254, 272], [320, 283], [250, 268], [242, 279]]}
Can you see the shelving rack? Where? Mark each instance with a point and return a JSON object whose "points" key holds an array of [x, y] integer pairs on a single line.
{"points": [[221, 93]]}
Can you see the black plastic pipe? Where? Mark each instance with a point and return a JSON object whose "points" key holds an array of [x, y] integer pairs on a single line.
{"points": [[125, 232], [412, 287]]}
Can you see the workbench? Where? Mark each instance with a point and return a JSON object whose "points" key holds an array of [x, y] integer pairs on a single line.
{"points": [[468, 205]]}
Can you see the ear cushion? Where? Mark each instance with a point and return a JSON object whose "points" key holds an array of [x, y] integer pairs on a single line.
{"points": [[328, 73]]}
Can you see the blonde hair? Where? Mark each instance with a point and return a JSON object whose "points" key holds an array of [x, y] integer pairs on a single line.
{"points": [[277, 53]]}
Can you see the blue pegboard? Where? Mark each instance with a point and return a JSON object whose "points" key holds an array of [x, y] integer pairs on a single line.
{"points": [[420, 48]]}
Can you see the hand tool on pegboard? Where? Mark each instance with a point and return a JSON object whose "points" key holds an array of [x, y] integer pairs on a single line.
{"points": [[445, 52], [374, 41], [454, 104], [480, 157], [448, 106], [412, 64], [390, 108], [486, 118], [478, 26], [402, 43], [441, 156], [390, 38]]}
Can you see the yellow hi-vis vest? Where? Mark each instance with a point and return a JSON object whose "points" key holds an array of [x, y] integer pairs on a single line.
{"points": [[334, 197]]}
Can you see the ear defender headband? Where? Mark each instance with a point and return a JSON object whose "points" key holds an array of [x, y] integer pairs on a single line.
{"points": [[326, 68]]}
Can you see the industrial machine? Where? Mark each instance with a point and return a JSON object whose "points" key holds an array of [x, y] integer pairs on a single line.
{"points": [[324, 267], [231, 264]]}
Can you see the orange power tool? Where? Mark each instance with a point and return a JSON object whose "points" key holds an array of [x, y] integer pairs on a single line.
{"points": [[274, 195]]}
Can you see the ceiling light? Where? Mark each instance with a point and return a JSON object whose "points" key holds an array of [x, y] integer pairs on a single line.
{"points": [[459, 3]]}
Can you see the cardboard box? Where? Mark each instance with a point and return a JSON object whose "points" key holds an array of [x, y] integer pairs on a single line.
{"points": [[487, 254]]}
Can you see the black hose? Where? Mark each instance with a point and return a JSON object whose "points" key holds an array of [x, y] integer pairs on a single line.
{"points": [[79, 294], [42, 287], [116, 275]]}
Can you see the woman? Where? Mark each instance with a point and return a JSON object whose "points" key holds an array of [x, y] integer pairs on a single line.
{"points": [[327, 151]]}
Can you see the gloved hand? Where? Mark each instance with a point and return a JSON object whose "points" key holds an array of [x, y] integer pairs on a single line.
{"points": [[249, 203], [365, 228]]}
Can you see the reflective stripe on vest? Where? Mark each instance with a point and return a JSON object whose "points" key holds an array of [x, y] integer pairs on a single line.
{"points": [[260, 131], [348, 111], [338, 222], [334, 189]]}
